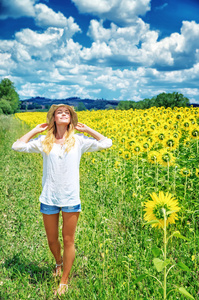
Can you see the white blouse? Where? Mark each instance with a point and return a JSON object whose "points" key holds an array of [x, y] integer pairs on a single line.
{"points": [[60, 182]]}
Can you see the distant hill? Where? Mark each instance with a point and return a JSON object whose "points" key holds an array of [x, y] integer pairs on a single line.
{"points": [[42, 103]]}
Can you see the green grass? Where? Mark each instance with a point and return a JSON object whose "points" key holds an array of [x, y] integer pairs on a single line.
{"points": [[112, 246]]}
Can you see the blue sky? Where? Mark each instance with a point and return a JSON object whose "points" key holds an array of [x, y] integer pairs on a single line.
{"points": [[110, 49]]}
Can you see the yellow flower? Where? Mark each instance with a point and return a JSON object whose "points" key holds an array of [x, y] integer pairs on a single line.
{"points": [[153, 209], [187, 142], [185, 172], [194, 133], [152, 157], [136, 148], [197, 172], [127, 154], [117, 164], [165, 158]]}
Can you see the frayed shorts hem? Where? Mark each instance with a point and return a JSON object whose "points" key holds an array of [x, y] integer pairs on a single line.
{"points": [[53, 209]]}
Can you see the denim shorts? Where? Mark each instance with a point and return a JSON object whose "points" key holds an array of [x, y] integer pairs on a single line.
{"points": [[53, 209]]}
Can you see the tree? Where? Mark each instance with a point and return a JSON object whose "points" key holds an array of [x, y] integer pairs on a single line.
{"points": [[9, 99], [5, 106], [81, 106], [171, 100]]}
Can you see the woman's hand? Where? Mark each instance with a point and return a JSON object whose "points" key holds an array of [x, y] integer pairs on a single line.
{"points": [[81, 127], [84, 128], [41, 127]]}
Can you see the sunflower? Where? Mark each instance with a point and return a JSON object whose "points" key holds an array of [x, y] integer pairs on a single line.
{"points": [[187, 141], [171, 142], [127, 154], [165, 158], [194, 132], [152, 157], [120, 151], [136, 148], [153, 209], [185, 172]]}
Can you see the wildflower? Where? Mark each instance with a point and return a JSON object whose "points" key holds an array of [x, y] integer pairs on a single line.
{"points": [[153, 209]]}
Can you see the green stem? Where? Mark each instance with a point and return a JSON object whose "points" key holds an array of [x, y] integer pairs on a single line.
{"points": [[156, 176], [165, 254], [185, 187]]}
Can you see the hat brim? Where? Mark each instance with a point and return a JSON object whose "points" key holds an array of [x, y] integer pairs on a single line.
{"points": [[70, 108]]}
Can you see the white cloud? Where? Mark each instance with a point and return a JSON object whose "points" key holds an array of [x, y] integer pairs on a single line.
{"points": [[37, 40], [42, 14], [46, 17], [123, 62], [119, 11], [138, 45], [17, 8]]}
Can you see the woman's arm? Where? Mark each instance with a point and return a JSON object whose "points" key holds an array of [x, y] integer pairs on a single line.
{"points": [[38, 129], [84, 128]]}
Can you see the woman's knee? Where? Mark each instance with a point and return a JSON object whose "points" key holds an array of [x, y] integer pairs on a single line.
{"points": [[68, 240], [53, 241]]}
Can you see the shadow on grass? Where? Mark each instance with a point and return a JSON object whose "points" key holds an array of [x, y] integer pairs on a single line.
{"points": [[18, 266]]}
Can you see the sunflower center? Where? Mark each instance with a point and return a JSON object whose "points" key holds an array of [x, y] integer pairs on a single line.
{"points": [[158, 212]]}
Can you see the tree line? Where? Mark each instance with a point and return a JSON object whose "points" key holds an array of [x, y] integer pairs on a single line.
{"points": [[164, 99], [10, 103]]}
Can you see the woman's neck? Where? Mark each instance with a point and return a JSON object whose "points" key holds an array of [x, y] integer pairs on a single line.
{"points": [[61, 130]]}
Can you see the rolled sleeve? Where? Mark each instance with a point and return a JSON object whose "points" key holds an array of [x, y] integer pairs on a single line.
{"points": [[89, 144], [33, 146]]}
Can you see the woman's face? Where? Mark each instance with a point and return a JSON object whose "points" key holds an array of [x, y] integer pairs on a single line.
{"points": [[62, 116]]}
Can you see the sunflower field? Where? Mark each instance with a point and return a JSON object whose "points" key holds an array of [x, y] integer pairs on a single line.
{"points": [[154, 150]]}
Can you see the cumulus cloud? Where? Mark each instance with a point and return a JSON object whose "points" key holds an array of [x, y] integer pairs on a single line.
{"points": [[46, 17], [42, 14], [126, 61], [138, 45], [119, 11], [16, 8]]}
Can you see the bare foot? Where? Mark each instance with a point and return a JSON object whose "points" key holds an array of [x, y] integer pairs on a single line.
{"points": [[62, 289]]}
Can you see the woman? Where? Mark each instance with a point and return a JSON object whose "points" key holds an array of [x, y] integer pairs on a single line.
{"points": [[61, 150]]}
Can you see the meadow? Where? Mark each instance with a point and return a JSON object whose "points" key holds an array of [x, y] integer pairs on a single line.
{"points": [[153, 150]]}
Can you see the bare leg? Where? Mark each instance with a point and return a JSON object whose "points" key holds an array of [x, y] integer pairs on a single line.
{"points": [[51, 224], [68, 232]]}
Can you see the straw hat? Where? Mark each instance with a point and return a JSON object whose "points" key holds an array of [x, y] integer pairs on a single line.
{"points": [[50, 114]]}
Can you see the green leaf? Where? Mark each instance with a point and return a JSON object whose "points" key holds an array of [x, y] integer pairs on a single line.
{"points": [[151, 222], [170, 212], [183, 267], [140, 278], [179, 235], [156, 251], [184, 292], [160, 264]]}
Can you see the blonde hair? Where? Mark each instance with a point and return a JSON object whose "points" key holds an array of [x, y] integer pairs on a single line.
{"points": [[69, 141]]}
